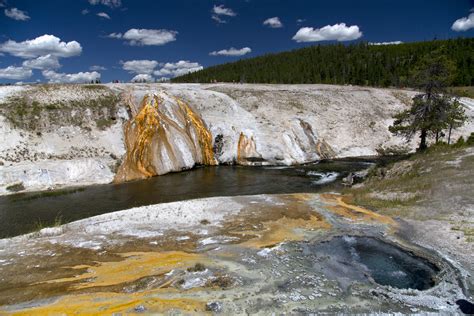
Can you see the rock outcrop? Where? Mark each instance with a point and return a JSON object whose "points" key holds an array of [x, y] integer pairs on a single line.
{"points": [[53, 136], [165, 135], [247, 151]]}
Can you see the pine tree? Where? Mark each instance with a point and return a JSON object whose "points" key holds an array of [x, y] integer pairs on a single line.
{"points": [[433, 110], [456, 117]]}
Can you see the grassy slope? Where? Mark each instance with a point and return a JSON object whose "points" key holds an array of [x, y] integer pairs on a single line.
{"points": [[437, 185], [26, 110], [467, 92]]}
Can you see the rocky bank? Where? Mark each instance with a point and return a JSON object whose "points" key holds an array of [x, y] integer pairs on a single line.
{"points": [[70, 135]]}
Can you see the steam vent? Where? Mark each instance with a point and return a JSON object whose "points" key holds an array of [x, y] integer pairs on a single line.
{"points": [[165, 134]]}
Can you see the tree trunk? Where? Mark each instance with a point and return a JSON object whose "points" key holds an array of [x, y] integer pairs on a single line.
{"points": [[449, 133], [423, 145], [437, 136]]}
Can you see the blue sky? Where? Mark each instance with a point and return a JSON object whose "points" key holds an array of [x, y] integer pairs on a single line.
{"points": [[150, 38]]}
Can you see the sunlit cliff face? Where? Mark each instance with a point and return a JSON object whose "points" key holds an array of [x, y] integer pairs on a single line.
{"points": [[165, 134], [247, 150], [324, 150]]}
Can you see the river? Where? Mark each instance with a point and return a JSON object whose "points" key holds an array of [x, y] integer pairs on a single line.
{"points": [[26, 212]]}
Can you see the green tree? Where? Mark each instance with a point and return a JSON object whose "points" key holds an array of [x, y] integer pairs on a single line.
{"points": [[433, 110], [433, 74], [456, 117], [416, 119]]}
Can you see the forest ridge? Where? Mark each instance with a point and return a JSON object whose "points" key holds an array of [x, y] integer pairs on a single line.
{"points": [[357, 64]]}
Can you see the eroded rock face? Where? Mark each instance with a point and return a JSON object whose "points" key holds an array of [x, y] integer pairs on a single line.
{"points": [[54, 136], [164, 135], [247, 151], [324, 150], [303, 144]]}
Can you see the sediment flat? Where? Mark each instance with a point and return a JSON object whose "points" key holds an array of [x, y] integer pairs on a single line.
{"points": [[240, 254]]}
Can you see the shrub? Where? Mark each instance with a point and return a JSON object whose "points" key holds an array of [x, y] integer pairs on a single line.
{"points": [[460, 142], [470, 140], [17, 187], [198, 267]]}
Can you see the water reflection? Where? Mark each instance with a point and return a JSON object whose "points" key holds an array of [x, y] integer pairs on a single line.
{"points": [[21, 213]]}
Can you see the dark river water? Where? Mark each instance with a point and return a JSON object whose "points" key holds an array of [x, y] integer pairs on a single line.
{"points": [[25, 212]]}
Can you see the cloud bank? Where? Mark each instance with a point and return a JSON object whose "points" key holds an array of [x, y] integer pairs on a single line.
{"points": [[41, 46], [337, 32], [180, 68], [231, 52], [463, 24], [146, 37], [145, 70], [80, 77], [140, 66], [43, 62], [43, 53], [143, 78], [15, 73]]}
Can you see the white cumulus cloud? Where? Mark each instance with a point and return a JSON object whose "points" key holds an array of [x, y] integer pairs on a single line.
{"points": [[43, 62], [145, 69], [463, 24], [180, 68], [15, 73], [103, 15], [274, 22], [231, 52], [16, 14], [142, 78], [148, 37], [385, 43], [143, 66], [80, 77], [109, 3], [41, 46], [221, 10], [84, 12], [337, 32]]}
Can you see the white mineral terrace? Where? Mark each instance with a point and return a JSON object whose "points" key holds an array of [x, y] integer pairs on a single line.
{"points": [[218, 123]]}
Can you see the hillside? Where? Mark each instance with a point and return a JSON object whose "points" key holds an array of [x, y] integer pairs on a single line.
{"points": [[358, 64]]}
